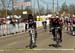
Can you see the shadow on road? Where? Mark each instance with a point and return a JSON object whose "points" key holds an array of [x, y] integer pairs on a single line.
{"points": [[54, 45], [31, 47]]}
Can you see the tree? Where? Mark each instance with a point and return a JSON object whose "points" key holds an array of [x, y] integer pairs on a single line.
{"points": [[72, 9], [42, 11], [18, 12], [64, 8], [29, 11]]}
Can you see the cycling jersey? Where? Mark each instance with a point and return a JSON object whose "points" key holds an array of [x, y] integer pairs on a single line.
{"points": [[56, 22], [31, 24]]}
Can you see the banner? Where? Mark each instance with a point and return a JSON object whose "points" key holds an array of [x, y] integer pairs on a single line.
{"points": [[27, 2]]}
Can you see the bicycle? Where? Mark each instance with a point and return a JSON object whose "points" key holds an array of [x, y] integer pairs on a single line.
{"points": [[57, 40], [33, 36], [57, 37]]}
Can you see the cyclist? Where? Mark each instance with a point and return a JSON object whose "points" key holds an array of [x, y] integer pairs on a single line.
{"points": [[44, 23], [32, 26], [56, 22], [67, 23], [72, 25]]}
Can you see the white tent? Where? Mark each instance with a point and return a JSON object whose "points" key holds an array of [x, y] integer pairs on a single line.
{"points": [[17, 17], [8, 17]]}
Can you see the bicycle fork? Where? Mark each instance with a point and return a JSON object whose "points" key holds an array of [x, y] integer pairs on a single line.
{"points": [[57, 39], [32, 40]]}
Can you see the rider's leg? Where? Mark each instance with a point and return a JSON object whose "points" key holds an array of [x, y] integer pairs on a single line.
{"points": [[45, 26], [66, 23], [25, 27], [50, 26], [35, 37], [30, 44], [53, 32], [30, 40], [60, 34]]}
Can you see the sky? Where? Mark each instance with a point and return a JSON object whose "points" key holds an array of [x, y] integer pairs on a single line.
{"points": [[44, 3], [49, 2]]}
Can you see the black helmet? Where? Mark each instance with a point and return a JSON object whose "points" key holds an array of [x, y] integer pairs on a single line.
{"points": [[30, 16]]}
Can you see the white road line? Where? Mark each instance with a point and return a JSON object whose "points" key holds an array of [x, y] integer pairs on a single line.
{"points": [[56, 49], [1, 50], [37, 49]]}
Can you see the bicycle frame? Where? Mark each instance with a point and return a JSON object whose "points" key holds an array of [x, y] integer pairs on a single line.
{"points": [[45, 26], [57, 37], [32, 35]]}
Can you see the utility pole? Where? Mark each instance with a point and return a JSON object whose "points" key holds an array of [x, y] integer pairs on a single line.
{"points": [[65, 1], [13, 1], [22, 10], [65, 7], [53, 6], [38, 8], [33, 8], [47, 9], [22, 7], [57, 5], [6, 11]]}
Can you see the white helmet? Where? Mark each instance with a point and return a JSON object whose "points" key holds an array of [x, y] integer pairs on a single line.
{"points": [[51, 16], [57, 16], [73, 15]]}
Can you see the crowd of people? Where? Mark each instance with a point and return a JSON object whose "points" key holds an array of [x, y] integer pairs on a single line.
{"points": [[69, 23], [10, 26]]}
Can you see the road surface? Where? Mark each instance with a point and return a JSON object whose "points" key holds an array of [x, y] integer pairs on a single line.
{"points": [[17, 43]]}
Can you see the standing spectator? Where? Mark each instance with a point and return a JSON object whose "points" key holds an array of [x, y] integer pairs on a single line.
{"points": [[12, 25], [26, 25], [3, 26]]}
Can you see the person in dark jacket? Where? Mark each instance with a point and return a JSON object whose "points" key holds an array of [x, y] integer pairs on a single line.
{"points": [[32, 24], [56, 22], [26, 25]]}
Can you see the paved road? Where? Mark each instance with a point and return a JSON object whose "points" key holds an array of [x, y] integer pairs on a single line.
{"points": [[17, 43]]}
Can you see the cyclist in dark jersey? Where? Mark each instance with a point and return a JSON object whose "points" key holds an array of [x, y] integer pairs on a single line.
{"points": [[56, 22], [32, 25]]}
